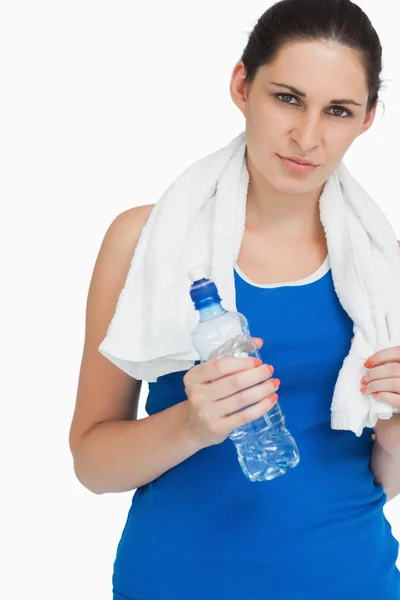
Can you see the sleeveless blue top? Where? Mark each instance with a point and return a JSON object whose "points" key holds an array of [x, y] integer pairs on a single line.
{"points": [[203, 531]]}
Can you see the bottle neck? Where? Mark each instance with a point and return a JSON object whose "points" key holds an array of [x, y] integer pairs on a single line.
{"points": [[211, 311]]}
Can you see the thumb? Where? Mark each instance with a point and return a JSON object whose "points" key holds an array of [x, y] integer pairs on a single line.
{"points": [[258, 341]]}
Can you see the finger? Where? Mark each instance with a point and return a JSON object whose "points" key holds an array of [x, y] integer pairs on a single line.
{"points": [[245, 398], [218, 368], [381, 385], [389, 398], [384, 372], [258, 341], [251, 413], [238, 382]]}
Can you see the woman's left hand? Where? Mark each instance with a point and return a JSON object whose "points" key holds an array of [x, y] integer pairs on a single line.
{"points": [[382, 378]]}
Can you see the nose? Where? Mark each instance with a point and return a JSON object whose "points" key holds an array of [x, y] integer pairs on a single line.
{"points": [[307, 132]]}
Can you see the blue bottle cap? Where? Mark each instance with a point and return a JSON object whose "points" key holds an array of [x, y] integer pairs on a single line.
{"points": [[203, 291]]}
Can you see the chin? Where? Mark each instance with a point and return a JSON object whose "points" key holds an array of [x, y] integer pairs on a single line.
{"points": [[288, 185]]}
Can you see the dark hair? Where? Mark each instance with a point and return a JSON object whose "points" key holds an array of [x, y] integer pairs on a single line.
{"points": [[338, 21]]}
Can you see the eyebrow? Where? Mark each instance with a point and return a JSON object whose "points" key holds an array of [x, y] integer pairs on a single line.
{"points": [[296, 91]]}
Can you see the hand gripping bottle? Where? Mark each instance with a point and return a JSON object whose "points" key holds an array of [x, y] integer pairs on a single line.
{"points": [[265, 447]]}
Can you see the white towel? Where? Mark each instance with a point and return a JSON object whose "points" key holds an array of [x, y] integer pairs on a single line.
{"points": [[200, 219]]}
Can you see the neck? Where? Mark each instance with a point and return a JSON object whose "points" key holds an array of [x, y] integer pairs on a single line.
{"points": [[282, 215]]}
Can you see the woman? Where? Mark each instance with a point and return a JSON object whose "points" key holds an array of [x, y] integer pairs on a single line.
{"points": [[307, 85]]}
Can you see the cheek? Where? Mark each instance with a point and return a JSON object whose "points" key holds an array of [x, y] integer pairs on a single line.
{"points": [[337, 141], [342, 131], [265, 120], [267, 133]]}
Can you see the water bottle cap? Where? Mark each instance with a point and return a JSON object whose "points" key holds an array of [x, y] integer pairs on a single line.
{"points": [[203, 291], [196, 273]]}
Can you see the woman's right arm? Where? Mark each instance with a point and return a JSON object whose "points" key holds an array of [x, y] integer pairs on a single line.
{"points": [[112, 451]]}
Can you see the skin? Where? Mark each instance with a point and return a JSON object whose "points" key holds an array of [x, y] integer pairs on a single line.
{"points": [[285, 205], [281, 203]]}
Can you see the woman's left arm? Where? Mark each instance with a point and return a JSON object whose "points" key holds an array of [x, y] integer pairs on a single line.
{"points": [[385, 465], [383, 381]]}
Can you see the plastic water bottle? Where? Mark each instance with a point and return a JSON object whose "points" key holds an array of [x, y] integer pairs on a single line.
{"points": [[265, 447]]}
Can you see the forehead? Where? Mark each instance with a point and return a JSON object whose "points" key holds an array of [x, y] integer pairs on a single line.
{"points": [[319, 68]]}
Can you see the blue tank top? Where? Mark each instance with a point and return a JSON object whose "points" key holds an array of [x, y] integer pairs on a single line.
{"points": [[203, 531]]}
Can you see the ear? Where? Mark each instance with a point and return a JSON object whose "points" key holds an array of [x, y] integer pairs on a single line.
{"points": [[369, 119], [238, 87]]}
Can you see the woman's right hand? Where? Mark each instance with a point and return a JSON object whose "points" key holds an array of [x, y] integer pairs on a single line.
{"points": [[217, 388]]}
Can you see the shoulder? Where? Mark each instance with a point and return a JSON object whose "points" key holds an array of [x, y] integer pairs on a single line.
{"points": [[133, 219], [125, 230], [117, 249], [138, 212]]}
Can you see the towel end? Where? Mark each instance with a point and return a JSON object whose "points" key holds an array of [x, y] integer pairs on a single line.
{"points": [[346, 422]]}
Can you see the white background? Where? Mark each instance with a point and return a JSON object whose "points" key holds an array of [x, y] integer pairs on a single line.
{"points": [[103, 105]]}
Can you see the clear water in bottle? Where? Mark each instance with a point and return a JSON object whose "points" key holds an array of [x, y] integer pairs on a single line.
{"points": [[265, 447]]}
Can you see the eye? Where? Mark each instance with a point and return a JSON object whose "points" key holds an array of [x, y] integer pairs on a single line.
{"points": [[279, 96], [334, 108], [343, 110]]}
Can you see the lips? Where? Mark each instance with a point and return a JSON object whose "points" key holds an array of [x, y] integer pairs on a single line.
{"points": [[299, 161], [295, 167]]}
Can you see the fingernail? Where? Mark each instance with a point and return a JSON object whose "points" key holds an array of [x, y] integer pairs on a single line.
{"points": [[271, 368], [257, 362], [276, 382], [368, 363], [273, 398]]}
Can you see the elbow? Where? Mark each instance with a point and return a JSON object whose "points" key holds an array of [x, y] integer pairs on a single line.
{"points": [[82, 476], [385, 468], [93, 481], [81, 465], [390, 494]]}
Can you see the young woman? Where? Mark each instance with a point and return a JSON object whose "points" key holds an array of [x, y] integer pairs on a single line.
{"points": [[307, 84]]}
